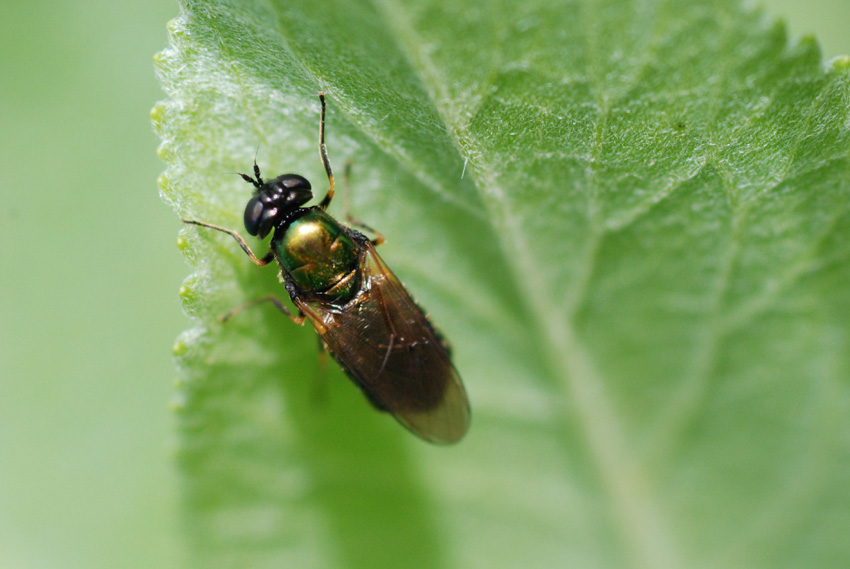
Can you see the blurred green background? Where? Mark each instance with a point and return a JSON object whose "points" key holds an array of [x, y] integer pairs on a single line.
{"points": [[88, 283]]}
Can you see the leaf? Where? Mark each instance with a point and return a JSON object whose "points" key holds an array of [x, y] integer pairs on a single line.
{"points": [[631, 220]]}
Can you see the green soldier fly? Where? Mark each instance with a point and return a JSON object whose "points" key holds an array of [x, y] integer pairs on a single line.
{"points": [[364, 316]]}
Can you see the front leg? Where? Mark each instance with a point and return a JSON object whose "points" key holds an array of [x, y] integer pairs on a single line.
{"points": [[260, 262]]}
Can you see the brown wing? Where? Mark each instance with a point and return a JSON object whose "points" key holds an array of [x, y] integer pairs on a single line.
{"points": [[384, 342]]}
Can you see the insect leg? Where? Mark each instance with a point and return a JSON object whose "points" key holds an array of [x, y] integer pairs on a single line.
{"points": [[257, 261], [346, 185], [323, 153], [379, 237], [271, 298]]}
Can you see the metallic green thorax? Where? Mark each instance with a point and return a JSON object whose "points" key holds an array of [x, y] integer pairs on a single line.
{"points": [[321, 256]]}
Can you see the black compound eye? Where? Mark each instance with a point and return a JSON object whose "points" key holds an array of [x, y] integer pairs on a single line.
{"points": [[253, 215], [294, 182], [293, 189], [267, 222]]}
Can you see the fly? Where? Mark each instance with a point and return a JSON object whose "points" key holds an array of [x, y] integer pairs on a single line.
{"points": [[365, 318]]}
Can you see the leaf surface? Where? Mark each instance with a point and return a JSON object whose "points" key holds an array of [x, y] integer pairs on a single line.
{"points": [[630, 218]]}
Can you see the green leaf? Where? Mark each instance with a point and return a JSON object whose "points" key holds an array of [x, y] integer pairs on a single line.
{"points": [[631, 220]]}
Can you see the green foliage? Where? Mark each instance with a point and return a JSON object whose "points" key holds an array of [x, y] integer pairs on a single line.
{"points": [[631, 220]]}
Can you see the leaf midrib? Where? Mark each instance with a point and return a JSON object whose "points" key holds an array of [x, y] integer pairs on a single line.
{"points": [[634, 504]]}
